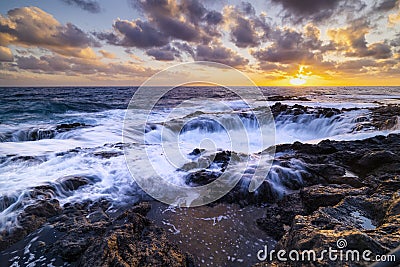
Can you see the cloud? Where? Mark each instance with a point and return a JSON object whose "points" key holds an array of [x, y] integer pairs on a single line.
{"points": [[314, 10], [292, 47], [31, 26], [134, 34], [106, 54], [220, 54], [246, 29], [5, 54], [56, 64], [319, 11], [394, 19], [185, 47], [213, 17], [167, 21], [168, 17], [355, 66], [352, 42], [167, 53], [386, 5], [88, 5]]}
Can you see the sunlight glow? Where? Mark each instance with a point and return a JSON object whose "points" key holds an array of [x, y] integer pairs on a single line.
{"points": [[301, 77], [297, 81]]}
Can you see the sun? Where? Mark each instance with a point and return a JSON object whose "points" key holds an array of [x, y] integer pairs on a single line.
{"points": [[297, 81], [300, 78]]}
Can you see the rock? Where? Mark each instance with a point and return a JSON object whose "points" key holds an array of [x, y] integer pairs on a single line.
{"points": [[326, 170], [69, 126], [278, 217], [107, 154], [128, 239], [373, 160], [285, 98], [86, 234], [43, 208], [31, 218], [385, 117], [71, 183], [317, 196], [202, 177], [197, 151], [40, 206]]}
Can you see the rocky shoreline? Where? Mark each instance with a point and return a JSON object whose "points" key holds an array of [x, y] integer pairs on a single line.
{"points": [[343, 190]]}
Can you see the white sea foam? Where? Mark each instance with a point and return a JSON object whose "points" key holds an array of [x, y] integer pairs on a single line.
{"points": [[113, 178]]}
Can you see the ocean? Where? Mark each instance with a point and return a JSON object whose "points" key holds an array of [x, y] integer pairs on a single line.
{"points": [[47, 134]]}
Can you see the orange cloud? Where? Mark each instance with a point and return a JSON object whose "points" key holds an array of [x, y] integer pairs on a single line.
{"points": [[33, 27]]}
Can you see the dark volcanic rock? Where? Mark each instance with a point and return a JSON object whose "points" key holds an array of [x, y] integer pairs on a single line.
{"points": [[69, 126], [285, 98], [317, 196], [87, 234], [373, 160], [385, 117], [361, 207], [202, 177], [38, 206]]}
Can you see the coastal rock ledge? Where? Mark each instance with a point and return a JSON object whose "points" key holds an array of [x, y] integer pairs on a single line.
{"points": [[349, 190]]}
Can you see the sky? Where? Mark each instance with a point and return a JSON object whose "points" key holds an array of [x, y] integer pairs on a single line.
{"points": [[274, 42]]}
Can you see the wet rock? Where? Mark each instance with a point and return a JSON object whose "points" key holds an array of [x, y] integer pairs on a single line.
{"points": [[39, 206], [202, 177], [285, 98], [197, 151], [43, 208], [317, 196], [69, 126], [353, 181], [385, 117], [87, 234], [326, 170], [107, 154], [31, 218], [373, 160], [278, 218], [71, 183]]}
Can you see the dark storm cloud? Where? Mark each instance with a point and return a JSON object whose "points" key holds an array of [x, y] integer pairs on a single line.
{"points": [[213, 17], [165, 15], [194, 9], [220, 54], [246, 28], [167, 53], [386, 5], [395, 41], [166, 22], [315, 10], [90, 6], [243, 34], [352, 42], [290, 46], [355, 65], [186, 20], [375, 50], [185, 47], [178, 29], [134, 34]]}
